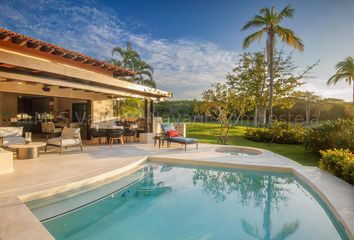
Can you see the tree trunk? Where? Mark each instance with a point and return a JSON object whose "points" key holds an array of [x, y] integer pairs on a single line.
{"points": [[255, 120], [267, 211], [271, 75], [353, 89], [264, 121], [307, 110]]}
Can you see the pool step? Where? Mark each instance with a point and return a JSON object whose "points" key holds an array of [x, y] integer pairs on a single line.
{"points": [[65, 202]]}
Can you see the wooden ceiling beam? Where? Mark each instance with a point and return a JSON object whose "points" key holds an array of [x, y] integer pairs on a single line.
{"points": [[65, 70], [35, 44], [7, 65], [23, 43], [69, 56], [13, 87], [62, 83], [58, 53], [7, 38]]}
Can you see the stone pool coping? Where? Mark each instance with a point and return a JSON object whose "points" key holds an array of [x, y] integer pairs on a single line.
{"points": [[18, 222]]}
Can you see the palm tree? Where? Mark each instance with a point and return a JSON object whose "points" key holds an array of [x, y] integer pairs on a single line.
{"points": [[130, 59], [287, 229], [269, 21], [345, 70]]}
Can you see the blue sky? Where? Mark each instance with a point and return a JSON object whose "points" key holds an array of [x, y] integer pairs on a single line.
{"points": [[191, 44]]}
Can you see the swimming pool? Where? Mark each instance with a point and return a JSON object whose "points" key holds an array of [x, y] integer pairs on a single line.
{"points": [[187, 202]]}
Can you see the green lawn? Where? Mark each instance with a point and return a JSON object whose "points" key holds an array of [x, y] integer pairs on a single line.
{"points": [[208, 132]]}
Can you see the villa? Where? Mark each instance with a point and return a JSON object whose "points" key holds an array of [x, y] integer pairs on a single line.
{"points": [[39, 80], [137, 190]]}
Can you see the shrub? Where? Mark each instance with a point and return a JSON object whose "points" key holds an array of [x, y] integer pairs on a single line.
{"points": [[338, 162], [278, 133], [331, 134]]}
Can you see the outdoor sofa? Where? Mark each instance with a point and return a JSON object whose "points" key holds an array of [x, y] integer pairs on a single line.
{"points": [[11, 135]]}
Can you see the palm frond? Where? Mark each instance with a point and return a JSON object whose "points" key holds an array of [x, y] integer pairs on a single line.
{"points": [[115, 62], [348, 63], [344, 70], [118, 50], [265, 11], [150, 83], [129, 45], [251, 38], [335, 78], [146, 73], [269, 20], [250, 230], [289, 37], [255, 22], [147, 66], [287, 230], [131, 60], [287, 12]]}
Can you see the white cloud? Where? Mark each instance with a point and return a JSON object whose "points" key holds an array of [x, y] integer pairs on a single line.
{"points": [[341, 90], [184, 66]]}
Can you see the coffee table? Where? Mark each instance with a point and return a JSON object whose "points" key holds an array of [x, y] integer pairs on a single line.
{"points": [[27, 150]]}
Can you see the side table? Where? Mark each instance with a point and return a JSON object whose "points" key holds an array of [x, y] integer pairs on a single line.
{"points": [[27, 151], [160, 139]]}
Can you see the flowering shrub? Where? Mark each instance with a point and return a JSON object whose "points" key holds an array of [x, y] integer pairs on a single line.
{"points": [[338, 162]]}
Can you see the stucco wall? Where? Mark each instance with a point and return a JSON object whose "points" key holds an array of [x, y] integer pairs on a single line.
{"points": [[102, 111], [8, 105], [62, 104]]}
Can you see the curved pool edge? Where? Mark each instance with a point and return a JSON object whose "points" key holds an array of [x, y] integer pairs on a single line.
{"points": [[305, 174], [325, 185], [116, 173], [309, 175], [29, 227]]}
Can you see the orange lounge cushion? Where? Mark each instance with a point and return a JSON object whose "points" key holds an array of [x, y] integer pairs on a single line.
{"points": [[172, 133]]}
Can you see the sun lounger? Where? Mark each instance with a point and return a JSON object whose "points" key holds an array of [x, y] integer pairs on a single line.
{"points": [[166, 127]]}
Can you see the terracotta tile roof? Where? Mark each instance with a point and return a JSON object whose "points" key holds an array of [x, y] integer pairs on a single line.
{"points": [[45, 47]]}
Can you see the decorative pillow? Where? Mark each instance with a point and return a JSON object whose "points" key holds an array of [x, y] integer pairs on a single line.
{"points": [[172, 133]]}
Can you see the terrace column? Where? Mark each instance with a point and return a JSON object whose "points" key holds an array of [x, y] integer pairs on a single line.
{"points": [[148, 115]]}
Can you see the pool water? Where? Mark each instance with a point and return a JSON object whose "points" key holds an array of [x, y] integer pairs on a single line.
{"points": [[238, 151], [184, 202]]}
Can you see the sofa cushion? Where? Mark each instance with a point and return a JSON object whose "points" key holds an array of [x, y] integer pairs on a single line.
{"points": [[70, 132], [66, 141], [13, 140], [11, 131]]}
